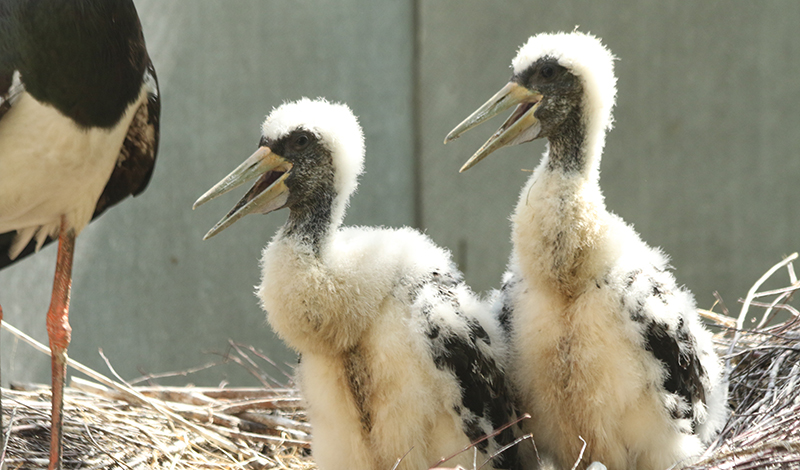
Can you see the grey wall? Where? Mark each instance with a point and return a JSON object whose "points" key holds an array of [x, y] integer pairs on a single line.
{"points": [[702, 160]]}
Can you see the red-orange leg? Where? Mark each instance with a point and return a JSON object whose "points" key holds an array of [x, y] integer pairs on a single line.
{"points": [[59, 331]]}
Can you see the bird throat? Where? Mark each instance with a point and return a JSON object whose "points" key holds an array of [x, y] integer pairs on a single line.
{"points": [[310, 223], [567, 150]]}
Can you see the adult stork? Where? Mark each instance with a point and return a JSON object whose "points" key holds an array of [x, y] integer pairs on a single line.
{"points": [[400, 359], [79, 127], [607, 347]]}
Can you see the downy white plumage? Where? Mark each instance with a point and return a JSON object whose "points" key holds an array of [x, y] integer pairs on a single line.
{"points": [[605, 345], [399, 358]]}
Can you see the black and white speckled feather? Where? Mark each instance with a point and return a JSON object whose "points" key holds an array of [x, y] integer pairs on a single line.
{"points": [[460, 344], [400, 357], [605, 344]]}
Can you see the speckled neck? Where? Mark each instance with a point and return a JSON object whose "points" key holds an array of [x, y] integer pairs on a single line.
{"points": [[310, 225], [567, 150]]}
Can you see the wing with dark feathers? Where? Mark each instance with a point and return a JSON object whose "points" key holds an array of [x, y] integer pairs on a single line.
{"points": [[5, 91], [673, 344], [134, 166], [137, 157], [486, 400], [8, 59], [676, 350], [9, 54]]}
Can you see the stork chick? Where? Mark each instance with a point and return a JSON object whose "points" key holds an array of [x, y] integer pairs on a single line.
{"points": [[399, 358], [605, 345]]}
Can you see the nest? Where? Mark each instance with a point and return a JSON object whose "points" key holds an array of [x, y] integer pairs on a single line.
{"points": [[112, 424], [102, 429], [763, 363]]}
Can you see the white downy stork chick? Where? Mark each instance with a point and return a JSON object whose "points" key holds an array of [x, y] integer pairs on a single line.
{"points": [[399, 357], [606, 346]]}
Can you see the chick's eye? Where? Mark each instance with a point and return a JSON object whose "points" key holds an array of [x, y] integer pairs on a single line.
{"points": [[548, 71], [301, 140]]}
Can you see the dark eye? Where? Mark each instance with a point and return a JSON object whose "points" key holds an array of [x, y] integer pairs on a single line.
{"points": [[548, 71], [301, 141]]}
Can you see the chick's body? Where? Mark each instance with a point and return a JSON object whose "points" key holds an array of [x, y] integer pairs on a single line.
{"points": [[362, 317], [400, 359], [607, 349]]}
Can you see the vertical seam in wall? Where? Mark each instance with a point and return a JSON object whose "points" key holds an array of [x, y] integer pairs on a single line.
{"points": [[416, 114]]}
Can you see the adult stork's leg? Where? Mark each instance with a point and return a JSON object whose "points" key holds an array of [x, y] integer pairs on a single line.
{"points": [[59, 331]]}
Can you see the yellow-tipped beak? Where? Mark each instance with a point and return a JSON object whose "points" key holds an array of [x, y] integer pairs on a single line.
{"points": [[521, 126], [269, 193]]}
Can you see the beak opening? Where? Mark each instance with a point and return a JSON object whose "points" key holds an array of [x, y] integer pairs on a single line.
{"points": [[267, 194], [521, 126]]}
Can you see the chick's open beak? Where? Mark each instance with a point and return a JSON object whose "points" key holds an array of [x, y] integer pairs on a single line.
{"points": [[269, 192], [521, 126]]}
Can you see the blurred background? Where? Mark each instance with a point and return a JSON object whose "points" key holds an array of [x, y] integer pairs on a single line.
{"points": [[703, 159]]}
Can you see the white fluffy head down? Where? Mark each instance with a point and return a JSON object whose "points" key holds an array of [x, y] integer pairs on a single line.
{"points": [[335, 125], [587, 58]]}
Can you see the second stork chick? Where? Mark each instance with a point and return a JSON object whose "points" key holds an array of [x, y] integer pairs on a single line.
{"points": [[606, 345], [399, 358]]}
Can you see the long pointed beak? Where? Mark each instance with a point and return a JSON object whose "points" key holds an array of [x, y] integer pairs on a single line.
{"points": [[255, 165], [521, 126], [269, 193]]}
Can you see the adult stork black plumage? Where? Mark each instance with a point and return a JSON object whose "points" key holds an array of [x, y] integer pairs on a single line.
{"points": [[399, 357], [606, 346], [79, 128]]}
